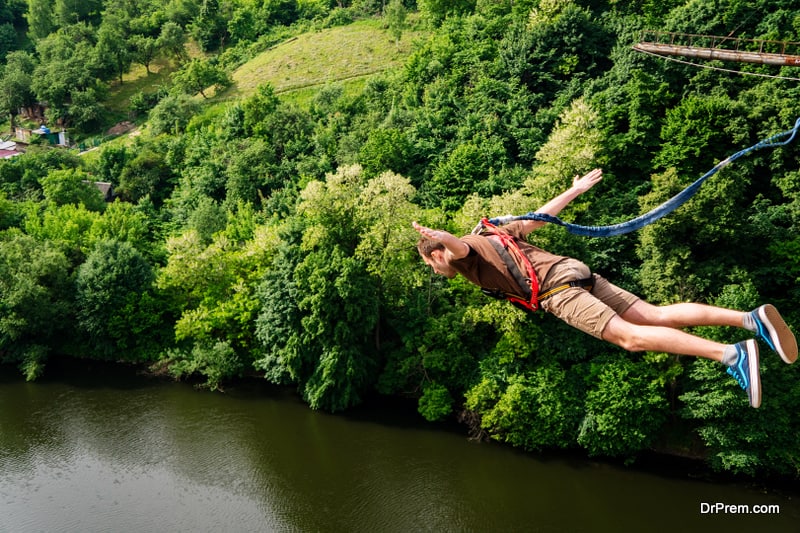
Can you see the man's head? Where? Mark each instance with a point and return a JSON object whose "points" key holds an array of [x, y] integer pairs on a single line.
{"points": [[435, 256]]}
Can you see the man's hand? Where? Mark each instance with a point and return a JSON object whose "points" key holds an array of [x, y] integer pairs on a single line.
{"points": [[586, 182], [579, 186], [432, 234], [455, 247]]}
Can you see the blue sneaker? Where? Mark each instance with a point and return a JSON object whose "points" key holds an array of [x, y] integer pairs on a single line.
{"points": [[773, 330], [746, 370]]}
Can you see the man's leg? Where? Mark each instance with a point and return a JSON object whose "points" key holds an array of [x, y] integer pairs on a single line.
{"points": [[765, 321], [741, 358], [647, 337], [682, 315], [619, 317]]}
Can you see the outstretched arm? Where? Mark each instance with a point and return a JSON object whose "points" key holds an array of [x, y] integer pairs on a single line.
{"points": [[579, 186], [455, 247]]}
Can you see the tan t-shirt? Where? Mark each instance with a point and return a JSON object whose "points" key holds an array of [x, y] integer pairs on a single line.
{"points": [[484, 266]]}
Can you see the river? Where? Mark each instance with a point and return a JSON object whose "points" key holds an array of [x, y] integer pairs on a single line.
{"points": [[102, 449]]}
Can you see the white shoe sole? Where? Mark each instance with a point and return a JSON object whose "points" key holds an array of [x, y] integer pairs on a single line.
{"points": [[755, 374], [782, 336]]}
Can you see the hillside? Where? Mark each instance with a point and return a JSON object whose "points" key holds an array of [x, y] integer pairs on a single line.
{"points": [[316, 58], [347, 54]]}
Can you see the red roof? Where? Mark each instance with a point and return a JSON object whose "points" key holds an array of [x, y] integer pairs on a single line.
{"points": [[5, 154]]}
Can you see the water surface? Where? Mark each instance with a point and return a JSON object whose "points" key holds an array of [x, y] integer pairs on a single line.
{"points": [[106, 450]]}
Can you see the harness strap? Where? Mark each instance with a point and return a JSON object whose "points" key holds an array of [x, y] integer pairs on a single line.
{"points": [[508, 249], [587, 284], [522, 280]]}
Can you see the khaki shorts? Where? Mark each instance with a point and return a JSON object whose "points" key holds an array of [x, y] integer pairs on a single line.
{"points": [[589, 311]]}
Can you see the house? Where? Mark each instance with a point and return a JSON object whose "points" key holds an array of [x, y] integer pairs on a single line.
{"points": [[8, 149], [58, 138], [105, 188]]}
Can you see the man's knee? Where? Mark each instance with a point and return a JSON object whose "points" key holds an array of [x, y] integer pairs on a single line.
{"points": [[624, 334]]}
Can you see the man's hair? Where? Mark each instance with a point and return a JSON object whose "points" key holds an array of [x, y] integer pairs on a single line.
{"points": [[425, 246]]}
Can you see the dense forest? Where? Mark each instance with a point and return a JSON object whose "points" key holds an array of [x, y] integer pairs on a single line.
{"points": [[272, 238]]}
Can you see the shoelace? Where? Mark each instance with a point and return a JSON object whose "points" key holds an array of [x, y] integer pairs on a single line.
{"points": [[762, 333], [738, 376]]}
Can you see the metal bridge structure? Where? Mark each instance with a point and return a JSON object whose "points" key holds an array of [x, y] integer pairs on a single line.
{"points": [[709, 47]]}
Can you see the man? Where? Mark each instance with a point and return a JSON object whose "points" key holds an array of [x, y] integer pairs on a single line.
{"points": [[567, 288]]}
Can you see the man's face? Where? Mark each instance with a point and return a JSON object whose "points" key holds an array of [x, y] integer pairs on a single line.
{"points": [[439, 264]]}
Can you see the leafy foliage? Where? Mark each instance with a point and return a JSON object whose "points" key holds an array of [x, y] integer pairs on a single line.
{"points": [[625, 408], [198, 75], [540, 409], [35, 300], [114, 304]]}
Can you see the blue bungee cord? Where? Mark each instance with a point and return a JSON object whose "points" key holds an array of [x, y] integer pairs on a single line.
{"points": [[658, 212]]}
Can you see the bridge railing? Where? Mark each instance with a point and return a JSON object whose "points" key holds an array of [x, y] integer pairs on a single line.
{"points": [[736, 44]]}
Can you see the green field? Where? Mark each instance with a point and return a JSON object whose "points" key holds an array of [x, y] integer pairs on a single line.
{"points": [[312, 59]]}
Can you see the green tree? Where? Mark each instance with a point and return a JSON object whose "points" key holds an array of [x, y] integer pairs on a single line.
{"points": [[466, 170], [8, 39], [737, 438], [110, 162], [35, 300], [242, 26], [113, 47], [213, 288], [207, 219], [144, 49], [13, 12], [67, 226], [313, 9], [198, 75], [257, 108], [172, 40], [249, 173], [279, 319], [625, 408], [15, 84], [73, 11], [148, 174], [128, 223], [396, 13], [330, 302], [385, 149], [332, 357], [172, 114], [67, 73], [41, 19], [559, 44], [538, 409], [115, 306], [438, 10], [86, 110], [677, 263], [21, 177], [9, 213], [209, 28], [215, 361], [72, 186], [181, 12], [283, 12]]}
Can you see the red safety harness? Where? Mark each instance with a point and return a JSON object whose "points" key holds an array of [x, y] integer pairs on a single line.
{"points": [[518, 265]]}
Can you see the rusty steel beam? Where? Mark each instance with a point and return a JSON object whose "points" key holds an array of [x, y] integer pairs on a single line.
{"points": [[718, 53]]}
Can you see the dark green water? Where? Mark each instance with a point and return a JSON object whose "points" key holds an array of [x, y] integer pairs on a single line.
{"points": [[106, 450]]}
